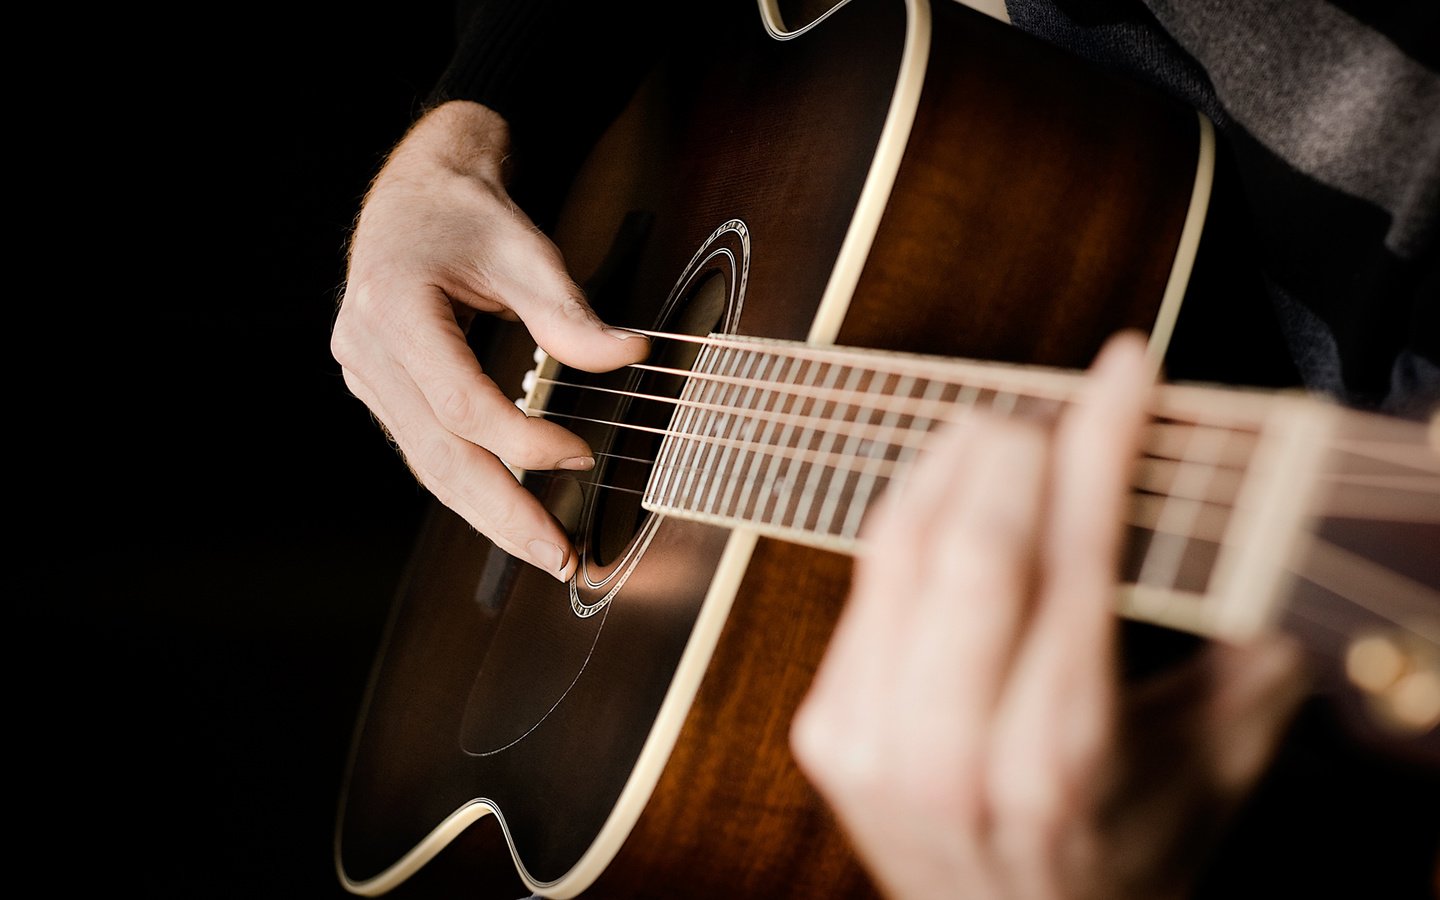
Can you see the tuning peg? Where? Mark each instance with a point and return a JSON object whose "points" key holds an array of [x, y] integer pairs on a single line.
{"points": [[1400, 676]]}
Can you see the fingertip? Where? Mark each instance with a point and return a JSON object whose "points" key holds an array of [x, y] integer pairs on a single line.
{"points": [[624, 334], [634, 345], [552, 558], [597, 347], [1125, 350]]}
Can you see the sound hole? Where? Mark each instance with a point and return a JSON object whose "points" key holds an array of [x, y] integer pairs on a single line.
{"points": [[618, 514]]}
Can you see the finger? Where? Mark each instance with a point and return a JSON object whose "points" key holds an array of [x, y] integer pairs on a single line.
{"points": [[466, 478], [927, 541], [842, 733], [1057, 718], [429, 347], [1097, 442], [985, 527], [854, 679], [903, 775], [524, 271]]}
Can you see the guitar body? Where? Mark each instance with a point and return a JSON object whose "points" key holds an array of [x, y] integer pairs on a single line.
{"points": [[626, 735]]}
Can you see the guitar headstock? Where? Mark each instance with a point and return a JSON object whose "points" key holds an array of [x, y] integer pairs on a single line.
{"points": [[1398, 675], [1368, 583]]}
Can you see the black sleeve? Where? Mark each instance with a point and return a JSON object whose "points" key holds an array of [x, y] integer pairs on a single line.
{"points": [[558, 71]]}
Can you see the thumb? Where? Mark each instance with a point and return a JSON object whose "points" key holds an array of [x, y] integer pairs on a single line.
{"points": [[554, 309], [570, 331]]}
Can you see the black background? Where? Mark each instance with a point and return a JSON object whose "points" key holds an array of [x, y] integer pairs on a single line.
{"points": [[211, 528]]}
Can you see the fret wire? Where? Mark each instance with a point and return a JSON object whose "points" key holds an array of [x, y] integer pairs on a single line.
{"points": [[774, 369], [766, 500], [677, 449], [809, 409], [733, 421], [856, 481], [804, 444], [1166, 551], [768, 458], [865, 485], [1167, 440], [835, 485], [697, 476], [697, 447], [1188, 479], [754, 448], [1003, 403]]}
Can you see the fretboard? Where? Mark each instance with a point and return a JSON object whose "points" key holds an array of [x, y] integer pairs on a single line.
{"points": [[797, 442]]}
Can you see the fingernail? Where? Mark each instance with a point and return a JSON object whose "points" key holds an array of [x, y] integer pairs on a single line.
{"points": [[577, 463], [546, 555], [620, 334]]}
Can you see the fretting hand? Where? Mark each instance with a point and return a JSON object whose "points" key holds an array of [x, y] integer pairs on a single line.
{"points": [[969, 724]]}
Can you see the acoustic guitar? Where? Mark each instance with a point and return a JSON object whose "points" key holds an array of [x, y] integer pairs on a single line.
{"points": [[842, 229]]}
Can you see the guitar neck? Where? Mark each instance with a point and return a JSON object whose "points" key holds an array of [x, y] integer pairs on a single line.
{"points": [[796, 442]]}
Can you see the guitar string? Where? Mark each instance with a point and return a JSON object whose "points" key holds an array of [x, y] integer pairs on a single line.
{"points": [[1155, 472], [1039, 383], [1148, 512], [1418, 457], [1163, 431], [1061, 386], [911, 438], [1409, 610]]}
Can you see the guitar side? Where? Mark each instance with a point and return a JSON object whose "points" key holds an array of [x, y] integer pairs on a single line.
{"points": [[629, 737]]}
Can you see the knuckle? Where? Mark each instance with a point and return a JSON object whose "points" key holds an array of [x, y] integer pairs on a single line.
{"points": [[813, 733], [986, 567], [503, 521], [1026, 799], [572, 308], [436, 460], [494, 424], [345, 349], [830, 752], [531, 443], [938, 776], [457, 410]]}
